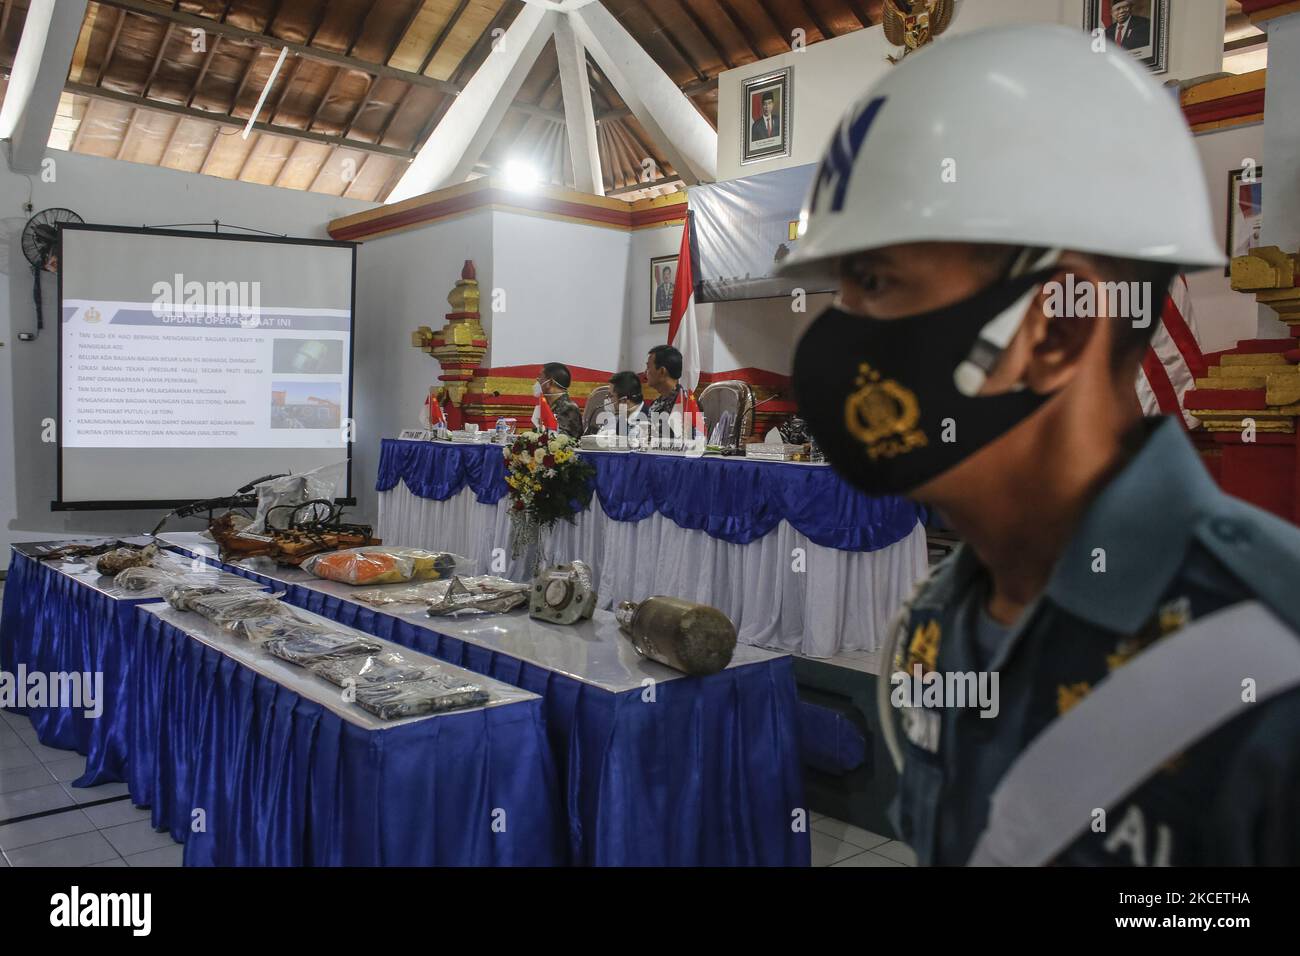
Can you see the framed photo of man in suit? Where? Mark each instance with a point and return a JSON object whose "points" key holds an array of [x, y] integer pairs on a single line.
{"points": [[765, 117], [663, 275], [1139, 26], [1245, 211]]}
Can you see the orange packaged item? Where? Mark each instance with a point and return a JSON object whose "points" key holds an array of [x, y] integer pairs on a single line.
{"points": [[361, 567]]}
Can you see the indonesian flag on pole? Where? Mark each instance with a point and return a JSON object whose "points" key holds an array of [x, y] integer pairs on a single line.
{"points": [[1174, 361], [682, 329]]}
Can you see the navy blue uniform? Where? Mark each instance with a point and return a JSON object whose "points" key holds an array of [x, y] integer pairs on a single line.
{"points": [[1159, 547]]}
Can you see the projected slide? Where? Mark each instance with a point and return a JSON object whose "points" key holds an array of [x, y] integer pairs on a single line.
{"points": [[190, 364]]}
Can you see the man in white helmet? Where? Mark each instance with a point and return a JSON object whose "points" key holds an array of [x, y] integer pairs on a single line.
{"points": [[1106, 671]]}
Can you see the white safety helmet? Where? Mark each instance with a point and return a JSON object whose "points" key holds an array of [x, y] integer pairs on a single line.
{"points": [[1023, 135]]}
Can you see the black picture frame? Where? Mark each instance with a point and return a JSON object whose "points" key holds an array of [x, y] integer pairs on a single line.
{"points": [[1230, 244], [1154, 15], [662, 316], [778, 85]]}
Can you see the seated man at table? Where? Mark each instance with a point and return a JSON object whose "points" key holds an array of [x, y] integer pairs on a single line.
{"points": [[621, 408], [553, 385], [663, 369]]}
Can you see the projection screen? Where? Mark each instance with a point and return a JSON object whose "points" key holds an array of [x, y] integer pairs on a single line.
{"points": [[191, 363]]}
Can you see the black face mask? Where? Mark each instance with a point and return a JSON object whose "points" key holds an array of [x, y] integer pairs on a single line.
{"points": [[879, 396]]}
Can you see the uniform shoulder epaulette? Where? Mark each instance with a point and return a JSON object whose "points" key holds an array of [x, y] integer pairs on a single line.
{"points": [[1260, 549]]}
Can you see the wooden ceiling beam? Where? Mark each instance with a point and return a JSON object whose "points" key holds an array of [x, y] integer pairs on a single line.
{"points": [[329, 157], [203, 71], [324, 100], [158, 58], [286, 82], [436, 117], [672, 41], [445, 32], [322, 8], [861, 13], [82, 125], [279, 173], [212, 148], [82, 89], [810, 12], [252, 148], [365, 162], [217, 28], [374, 80], [126, 135], [271, 17], [243, 79], [171, 138], [360, 30], [112, 48], [703, 29], [738, 24]]}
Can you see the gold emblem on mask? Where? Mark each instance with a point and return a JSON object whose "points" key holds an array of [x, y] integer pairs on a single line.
{"points": [[883, 415], [923, 649]]}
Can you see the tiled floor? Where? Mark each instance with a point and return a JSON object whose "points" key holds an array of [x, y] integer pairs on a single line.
{"points": [[836, 843], [53, 823]]}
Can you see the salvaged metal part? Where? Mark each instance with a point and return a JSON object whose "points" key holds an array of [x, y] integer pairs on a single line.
{"points": [[693, 638], [563, 594], [291, 546], [460, 597], [118, 560]]}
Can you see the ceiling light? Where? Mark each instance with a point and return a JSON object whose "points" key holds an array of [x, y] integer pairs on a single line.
{"points": [[521, 175]]}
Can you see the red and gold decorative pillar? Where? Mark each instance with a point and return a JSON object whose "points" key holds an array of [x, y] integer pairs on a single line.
{"points": [[459, 346], [1249, 402]]}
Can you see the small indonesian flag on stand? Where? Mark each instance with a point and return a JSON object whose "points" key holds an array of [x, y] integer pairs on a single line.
{"points": [[692, 417], [545, 417], [436, 418]]}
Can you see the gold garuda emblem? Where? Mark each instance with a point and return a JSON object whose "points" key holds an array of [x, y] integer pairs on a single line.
{"points": [[882, 414], [912, 24]]}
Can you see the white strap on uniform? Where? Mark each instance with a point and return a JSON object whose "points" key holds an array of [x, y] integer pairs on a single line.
{"points": [[1151, 709]]}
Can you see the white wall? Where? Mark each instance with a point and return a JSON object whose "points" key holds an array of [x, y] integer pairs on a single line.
{"points": [[402, 283], [1281, 150], [565, 287], [828, 77], [103, 191]]}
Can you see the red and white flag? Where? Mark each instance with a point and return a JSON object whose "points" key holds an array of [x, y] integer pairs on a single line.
{"points": [[434, 409], [1174, 361], [545, 416], [682, 329], [687, 411]]}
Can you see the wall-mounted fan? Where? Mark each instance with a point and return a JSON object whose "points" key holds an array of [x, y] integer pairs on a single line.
{"points": [[40, 246]]}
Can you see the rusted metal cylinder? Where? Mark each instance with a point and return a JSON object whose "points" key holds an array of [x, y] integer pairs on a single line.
{"points": [[693, 638]]}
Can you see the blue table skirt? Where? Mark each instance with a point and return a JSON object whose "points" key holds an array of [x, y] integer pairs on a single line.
{"points": [[731, 499], [706, 775], [53, 624], [284, 781]]}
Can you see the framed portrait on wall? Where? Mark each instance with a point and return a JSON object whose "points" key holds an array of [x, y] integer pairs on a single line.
{"points": [[765, 117], [1245, 211], [663, 274], [1139, 26]]}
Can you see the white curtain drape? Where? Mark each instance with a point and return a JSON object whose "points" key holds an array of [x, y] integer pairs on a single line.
{"points": [[782, 591]]}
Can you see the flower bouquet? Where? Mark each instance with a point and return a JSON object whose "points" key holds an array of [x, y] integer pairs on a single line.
{"points": [[547, 481]]}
